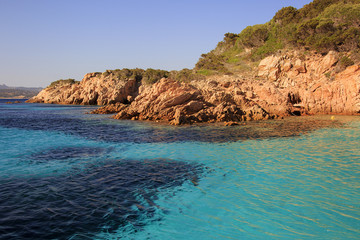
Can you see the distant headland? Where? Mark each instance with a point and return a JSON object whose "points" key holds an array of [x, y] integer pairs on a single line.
{"points": [[7, 92]]}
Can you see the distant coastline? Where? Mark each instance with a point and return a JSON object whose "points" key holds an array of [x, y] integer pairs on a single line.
{"points": [[14, 98], [7, 92]]}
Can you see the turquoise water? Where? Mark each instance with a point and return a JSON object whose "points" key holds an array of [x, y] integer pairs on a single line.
{"points": [[286, 179]]}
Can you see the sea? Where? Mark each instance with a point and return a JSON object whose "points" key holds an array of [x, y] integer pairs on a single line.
{"points": [[66, 174]]}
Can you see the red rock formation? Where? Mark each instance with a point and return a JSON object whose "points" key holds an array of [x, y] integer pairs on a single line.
{"points": [[94, 89], [314, 85], [180, 103], [286, 84]]}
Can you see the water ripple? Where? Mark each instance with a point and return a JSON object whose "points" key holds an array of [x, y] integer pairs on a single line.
{"points": [[101, 198]]}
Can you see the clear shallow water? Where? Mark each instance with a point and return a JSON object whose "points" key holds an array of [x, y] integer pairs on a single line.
{"points": [[68, 175]]}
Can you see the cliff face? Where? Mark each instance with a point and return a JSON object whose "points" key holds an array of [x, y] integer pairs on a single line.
{"points": [[284, 84], [315, 84], [94, 89]]}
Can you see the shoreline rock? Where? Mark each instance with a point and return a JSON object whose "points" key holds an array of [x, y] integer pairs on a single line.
{"points": [[13, 102], [109, 109], [186, 103]]}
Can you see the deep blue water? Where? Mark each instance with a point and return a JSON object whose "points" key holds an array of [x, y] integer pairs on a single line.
{"points": [[65, 174]]}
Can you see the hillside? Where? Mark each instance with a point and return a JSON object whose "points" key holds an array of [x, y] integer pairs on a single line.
{"points": [[321, 26]]}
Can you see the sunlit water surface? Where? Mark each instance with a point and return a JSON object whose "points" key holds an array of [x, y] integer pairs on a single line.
{"points": [[65, 174]]}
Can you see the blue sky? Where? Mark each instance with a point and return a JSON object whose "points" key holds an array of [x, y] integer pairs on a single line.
{"points": [[45, 40]]}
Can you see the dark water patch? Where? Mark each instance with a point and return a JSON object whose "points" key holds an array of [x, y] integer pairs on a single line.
{"points": [[64, 153], [97, 128], [100, 199]]}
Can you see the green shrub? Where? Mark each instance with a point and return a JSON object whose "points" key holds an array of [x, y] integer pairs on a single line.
{"points": [[325, 26], [205, 72], [327, 74], [342, 14], [233, 59], [185, 75], [151, 76], [307, 29], [314, 8], [271, 46], [229, 40], [211, 61], [254, 36], [349, 40], [345, 62], [285, 15], [355, 55], [62, 82], [128, 74]]}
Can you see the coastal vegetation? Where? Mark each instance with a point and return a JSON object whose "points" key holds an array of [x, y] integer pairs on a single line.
{"points": [[62, 82], [151, 76], [186, 75], [321, 26], [148, 76]]}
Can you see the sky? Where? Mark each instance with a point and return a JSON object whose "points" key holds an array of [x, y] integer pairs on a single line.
{"points": [[42, 41]]}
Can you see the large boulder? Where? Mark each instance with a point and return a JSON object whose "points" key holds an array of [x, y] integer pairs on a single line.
{"points": [[269, 67], [161, 101]]}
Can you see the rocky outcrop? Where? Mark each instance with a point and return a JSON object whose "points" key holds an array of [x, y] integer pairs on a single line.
{"points": [[94, 89], [314, 84], [290, 83], [199, 101], [161, 101]]}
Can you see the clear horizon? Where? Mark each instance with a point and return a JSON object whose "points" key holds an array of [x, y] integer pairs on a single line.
{"points": [[44, 41]]}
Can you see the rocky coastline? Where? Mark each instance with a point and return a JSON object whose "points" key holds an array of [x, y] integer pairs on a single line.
{"points": [[283, 84]]}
